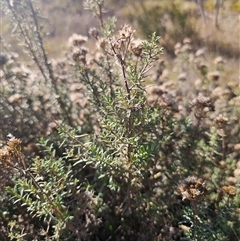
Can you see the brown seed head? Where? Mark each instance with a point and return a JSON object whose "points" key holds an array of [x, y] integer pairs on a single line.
{"points": [[191, 188], [77, 40], [15, 144], [79, 54], [126, 32], [201, 105], [136, 47], [221, 121], [229, 190], [213, 76], [93, 32]]}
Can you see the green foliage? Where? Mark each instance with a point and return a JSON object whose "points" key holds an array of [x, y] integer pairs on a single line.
{"points": [[122, 160]]}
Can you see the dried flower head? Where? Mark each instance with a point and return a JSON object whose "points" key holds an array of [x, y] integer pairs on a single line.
{"points": [[191, 188], [185, 48], [15, 144], [11, 151], [213, 76], [101, 43], [236, 173], [187, 41], [235, 101], [158, 96], [182, 76], [219, 60], [201, 101], [114, 43], [76, 54], [177, 46], [126, 32], [4, 155], [155, 90], [19, 72], [237, 147], [16, 99], [203, 68], [53, 126], [200, 52], [221, 121], [169, 102], [10, 156], [224, 93], [201, 105], [231, 180], [137, 47], [229, 190], [5, 166], [238, 163], [77, 40], [95, 33], [79, 54]]}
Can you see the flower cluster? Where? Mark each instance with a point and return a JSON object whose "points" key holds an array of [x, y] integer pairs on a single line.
{"points": [[159, 96], [229, 190], [124, 42], [78, 51], [191, 188], [9, 157], [201, 105], [10, 151], [79, 54], [77, 40], [221, 121]]}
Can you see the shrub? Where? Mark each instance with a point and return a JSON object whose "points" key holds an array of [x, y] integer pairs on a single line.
{"points": [[121, 159]]}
